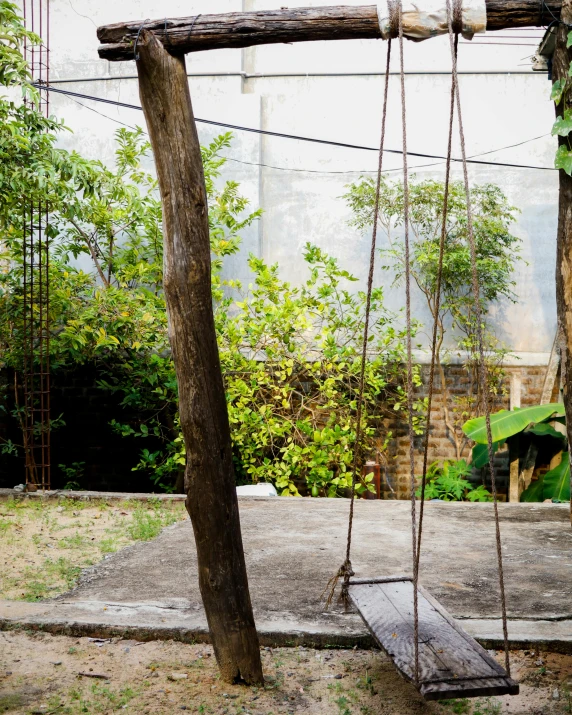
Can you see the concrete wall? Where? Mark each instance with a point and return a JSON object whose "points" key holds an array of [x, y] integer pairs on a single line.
{"points": [[333, 90]]}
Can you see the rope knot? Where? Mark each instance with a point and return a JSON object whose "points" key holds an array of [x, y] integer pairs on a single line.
{"points": [[345, 572]]}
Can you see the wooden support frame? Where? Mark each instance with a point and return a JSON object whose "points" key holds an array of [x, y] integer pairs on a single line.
{"points": [[560, 64], [159, 46], [245, 29], [209, 479]]}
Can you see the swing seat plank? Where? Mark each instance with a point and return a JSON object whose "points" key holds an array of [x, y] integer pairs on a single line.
{"points": [[451, 663]]}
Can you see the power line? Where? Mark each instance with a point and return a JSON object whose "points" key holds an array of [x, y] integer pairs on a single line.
{"points": [[297, 137], [319, 171]]}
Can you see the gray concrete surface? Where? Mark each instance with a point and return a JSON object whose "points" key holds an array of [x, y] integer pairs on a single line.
{"points": [[293, 546]]}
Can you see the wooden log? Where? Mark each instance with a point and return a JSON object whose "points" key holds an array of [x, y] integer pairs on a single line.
{"points": [[211, 493], [560, 64], [245, 29]]}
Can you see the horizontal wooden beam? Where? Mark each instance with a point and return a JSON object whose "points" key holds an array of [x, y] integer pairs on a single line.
{"points": [[245, 29]]}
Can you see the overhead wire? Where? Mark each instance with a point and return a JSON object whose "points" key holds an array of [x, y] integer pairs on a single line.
{"points": [[322, 171], [283, 135]]}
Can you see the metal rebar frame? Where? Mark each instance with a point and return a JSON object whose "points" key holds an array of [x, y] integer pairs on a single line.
{"points": [[36, 284]]}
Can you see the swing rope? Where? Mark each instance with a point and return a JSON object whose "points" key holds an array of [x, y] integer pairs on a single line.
{"points": [[483, 378], [436, 309], [345, 572], [410, 431]]}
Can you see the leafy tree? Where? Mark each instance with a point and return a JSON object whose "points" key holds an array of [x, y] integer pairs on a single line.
{"points": [[497, 253], [291, 356]]}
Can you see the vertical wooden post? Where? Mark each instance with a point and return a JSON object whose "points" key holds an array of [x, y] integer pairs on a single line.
{"points": [[560, 65], [209, 480]]}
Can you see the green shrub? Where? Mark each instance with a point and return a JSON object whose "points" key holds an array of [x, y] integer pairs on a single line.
{"points": [[446, 481]]}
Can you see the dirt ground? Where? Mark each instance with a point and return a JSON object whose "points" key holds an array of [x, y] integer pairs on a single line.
{"points": [[40, 673], [44, 545]]}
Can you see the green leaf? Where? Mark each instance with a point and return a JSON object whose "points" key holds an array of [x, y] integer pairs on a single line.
{"points": [[481, 454], [563, 160], [569, 40], [563, 125], [558, 90], [534, 492], [505, 424], [543, 429], [557, 481]]}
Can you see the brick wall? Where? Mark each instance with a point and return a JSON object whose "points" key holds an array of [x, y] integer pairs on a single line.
{"points": [[396, 481]]}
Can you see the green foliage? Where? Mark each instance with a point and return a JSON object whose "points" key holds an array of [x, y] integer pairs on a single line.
{"points": [[146, 525], [480, 454], [291, 357], [497, 252], [533, 421], [459, 706], [505, 424], [447, 481], [554, 485], [562, 126]]}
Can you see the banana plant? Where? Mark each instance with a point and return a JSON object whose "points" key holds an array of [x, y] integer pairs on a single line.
{"points": [[536, 421]]}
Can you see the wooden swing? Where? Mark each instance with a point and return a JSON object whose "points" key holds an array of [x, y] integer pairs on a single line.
{"points": [[427, 645]]}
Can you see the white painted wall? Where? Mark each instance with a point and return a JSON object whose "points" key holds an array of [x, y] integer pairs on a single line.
{"points": [[284, 88]]}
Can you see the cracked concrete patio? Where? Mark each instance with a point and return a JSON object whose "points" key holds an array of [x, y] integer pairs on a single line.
{"points": [[293, 546]]}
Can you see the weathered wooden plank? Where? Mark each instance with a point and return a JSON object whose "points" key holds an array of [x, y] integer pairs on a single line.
{"points": [[450, 661], [245, 29]]}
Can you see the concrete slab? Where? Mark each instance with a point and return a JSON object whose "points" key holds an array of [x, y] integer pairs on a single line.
{"points": [[293, 546]]}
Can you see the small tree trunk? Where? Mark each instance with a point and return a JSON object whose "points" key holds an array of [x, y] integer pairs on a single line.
{"points": [[561, 63], [211, 493]]}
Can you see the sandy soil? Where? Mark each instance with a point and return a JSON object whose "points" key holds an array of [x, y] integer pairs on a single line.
{"points": [[44, 545], [40, 673]]}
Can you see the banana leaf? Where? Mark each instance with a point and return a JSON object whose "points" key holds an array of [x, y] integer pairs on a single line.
{"points": [[554, 485], [505, 424], [543, 429], [534, 491], [480, 456], [557, 481]]}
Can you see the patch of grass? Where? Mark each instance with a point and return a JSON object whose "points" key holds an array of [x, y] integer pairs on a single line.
{"points": [[108, 546], [366, 683], [98, 699], [459, 706], [72, 542], [10, 701], [147, 525], [489, 706], [73, 504], [41, 580], [4, 526], [343, 705]]}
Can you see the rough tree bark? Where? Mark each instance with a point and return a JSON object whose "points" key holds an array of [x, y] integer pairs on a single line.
{"points": [[560, 65], [244, 29], [211, 495]]}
